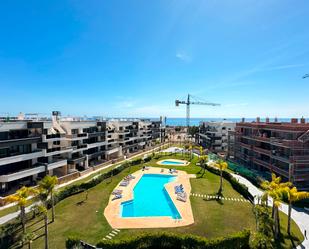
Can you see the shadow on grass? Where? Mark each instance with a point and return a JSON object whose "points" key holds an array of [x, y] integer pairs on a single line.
{"points": [[36, 222], [39, 228], [282, 237]]}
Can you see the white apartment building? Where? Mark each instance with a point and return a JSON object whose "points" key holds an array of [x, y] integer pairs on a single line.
{"points": [[30, 149], [214, 135]]}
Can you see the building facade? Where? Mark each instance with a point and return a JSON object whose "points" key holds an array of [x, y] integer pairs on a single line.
{"points": [[278, 147], [30, 149], [214, 135]]}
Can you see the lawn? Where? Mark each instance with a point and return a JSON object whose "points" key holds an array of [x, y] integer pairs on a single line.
{"points": [[212, 218]]}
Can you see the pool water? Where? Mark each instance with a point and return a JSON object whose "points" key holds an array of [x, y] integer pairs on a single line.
{"points": [[150, 198], [167, 162]]}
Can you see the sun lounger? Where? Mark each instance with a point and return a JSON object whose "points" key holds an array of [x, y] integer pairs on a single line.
{"points": [[181, 198], [162, 170], [117, 192], [124, 183], [178, 189], [182, 195], [131, 176], [117, 197]]}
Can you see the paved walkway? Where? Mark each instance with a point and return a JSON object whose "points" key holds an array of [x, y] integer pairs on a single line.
{"points": [[298, 215], [112, 234], [217, 197]]}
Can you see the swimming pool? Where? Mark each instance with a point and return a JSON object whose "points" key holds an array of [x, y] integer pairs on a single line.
{"points": [[150, 198], [168, 162]]}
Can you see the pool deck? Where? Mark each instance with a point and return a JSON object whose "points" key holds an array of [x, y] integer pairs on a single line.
{"points": [[184, 162], [112, 210]]}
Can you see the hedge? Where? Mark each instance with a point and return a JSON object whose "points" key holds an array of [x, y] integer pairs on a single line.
{"points": [[239, 187], [177, 241]]}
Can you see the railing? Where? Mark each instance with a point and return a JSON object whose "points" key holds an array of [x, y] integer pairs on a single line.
{"points": [[279, 171], [262, 151], [262, 163], [21, 157], [81, 135]]}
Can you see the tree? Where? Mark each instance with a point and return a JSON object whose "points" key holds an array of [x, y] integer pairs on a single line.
{"points": [[21, 197], [48, 184], [263, 238], [202, 160], [190, 148], [28, 239], [221, 165], [275, 190], [43, 210], [293, 195]]}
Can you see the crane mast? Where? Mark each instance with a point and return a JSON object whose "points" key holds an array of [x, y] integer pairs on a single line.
{"points": [[188, 103]]}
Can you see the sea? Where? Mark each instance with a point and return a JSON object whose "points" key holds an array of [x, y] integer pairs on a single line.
{"points": [[196, 121]]}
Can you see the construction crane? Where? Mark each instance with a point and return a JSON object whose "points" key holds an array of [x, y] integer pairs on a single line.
{"points": [[188, 103]]}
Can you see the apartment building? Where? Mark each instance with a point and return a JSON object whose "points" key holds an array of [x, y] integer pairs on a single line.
{"points": [[214, 135], [30, 149], [279, 147]]}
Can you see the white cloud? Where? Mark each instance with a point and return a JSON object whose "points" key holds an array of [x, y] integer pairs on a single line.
{"points": [[183, 56]]}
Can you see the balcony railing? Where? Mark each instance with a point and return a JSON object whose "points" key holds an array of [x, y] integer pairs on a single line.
{"points": [[21, 157], [77, 136], [262, 151], [262, 163], [22, 174]]}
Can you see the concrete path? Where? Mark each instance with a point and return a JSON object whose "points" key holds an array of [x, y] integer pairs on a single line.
{"points": [[298, 215]]}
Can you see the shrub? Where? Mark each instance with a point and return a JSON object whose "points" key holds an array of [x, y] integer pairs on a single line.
{"points": [[78, 188], [176, 241], [72, 243]]}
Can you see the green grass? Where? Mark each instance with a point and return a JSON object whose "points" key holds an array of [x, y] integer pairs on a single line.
{"points": [[212, 218]]}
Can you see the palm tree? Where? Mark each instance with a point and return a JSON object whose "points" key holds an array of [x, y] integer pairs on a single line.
{"points": [[190, 148], [48, 184], [221, 165], [43, 210], [21, 197], [203, 160], [293, 195], [275, 189]]}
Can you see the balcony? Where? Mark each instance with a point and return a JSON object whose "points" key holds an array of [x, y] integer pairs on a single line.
{"points": [[78, 159], [19, 141], [57, 164], [286, 143], [262, 151], [262, 163], [111, 151], [96, 134], [96, 154], [261, 139], [300, 158], [21, 157], [97, 144], [74, 137], [281, 158], [80, 147], [247, 146], [279, 171], [22, 174], [53, 137], [56, 151]]}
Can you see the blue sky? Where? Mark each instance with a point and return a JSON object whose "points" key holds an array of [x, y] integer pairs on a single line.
{"points": [[134, 58]]}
